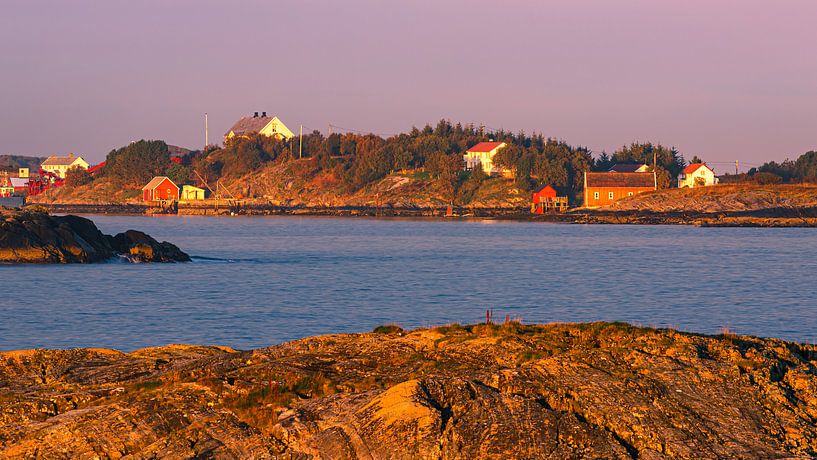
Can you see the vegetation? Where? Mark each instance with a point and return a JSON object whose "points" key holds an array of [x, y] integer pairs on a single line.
{"points": [[351, 162], [804, 169], [77, 176], [137, 163]]}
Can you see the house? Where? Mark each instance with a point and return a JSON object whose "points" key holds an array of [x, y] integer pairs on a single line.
{"points": [[23, 172], [482, 154], [190, 193], [20, 185], [697, 175], [259, 125], [60, 165], [160, 188], [626, 167], [545, 199], [604, 188]]}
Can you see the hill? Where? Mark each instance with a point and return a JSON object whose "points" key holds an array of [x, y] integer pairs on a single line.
{"points": [[300, 183], [596, 390], [14, 162]]}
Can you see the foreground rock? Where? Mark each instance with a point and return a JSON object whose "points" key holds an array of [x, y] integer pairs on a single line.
{"points": [[555, 391], [35, 237]]}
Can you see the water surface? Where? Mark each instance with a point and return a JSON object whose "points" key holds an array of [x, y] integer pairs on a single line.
{"points": [[261, 281]]}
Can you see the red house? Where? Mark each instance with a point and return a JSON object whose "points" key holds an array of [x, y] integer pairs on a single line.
{"points": [[160, 188], [545, 199]]}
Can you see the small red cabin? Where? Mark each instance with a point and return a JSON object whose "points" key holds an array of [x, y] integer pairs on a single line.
{"points": [[160, 188], [545, 199]]}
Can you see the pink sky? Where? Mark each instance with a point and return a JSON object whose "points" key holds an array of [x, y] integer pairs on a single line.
{"points": [[724, 80]]}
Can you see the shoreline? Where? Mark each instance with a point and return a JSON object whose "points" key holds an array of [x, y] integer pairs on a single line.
{"points": [[770, 217]]}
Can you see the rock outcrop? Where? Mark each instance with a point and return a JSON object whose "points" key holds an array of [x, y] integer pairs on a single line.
{"points": [[596, 390], [36, 237]]}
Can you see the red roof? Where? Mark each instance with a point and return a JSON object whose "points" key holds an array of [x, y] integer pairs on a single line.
{"points": [[484, 147], [694, 167], [95, 168]]}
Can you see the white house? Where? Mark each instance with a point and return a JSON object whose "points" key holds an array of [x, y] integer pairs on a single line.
{"points": [[482, 154], [259, 124], [60, 165], [697, 175]]}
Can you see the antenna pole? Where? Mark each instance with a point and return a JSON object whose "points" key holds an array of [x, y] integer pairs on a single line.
{"points": [[301, 145], [206, 132], [736, 167]]}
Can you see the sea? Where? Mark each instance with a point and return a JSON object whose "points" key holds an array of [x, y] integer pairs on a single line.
{"points": [[260, 281]]}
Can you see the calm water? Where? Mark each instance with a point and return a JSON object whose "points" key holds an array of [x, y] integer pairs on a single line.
{"points": [[261, 281]]}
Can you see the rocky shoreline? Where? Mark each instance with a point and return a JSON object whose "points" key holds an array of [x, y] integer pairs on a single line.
{"points": [[37, 237], [601, 390], [772, 217]]}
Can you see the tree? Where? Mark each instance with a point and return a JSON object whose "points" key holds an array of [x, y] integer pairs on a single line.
{"points": [[603, 163], [77, 176], [179, 174], [669, 159], [805, 167], [137, 162], [696, 160]]}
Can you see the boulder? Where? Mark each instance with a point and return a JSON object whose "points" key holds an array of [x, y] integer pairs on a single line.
{"points": [[36, 237]]}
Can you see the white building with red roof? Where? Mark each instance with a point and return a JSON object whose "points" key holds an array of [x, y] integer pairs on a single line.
{"points": [[482, 154], [697, 175]]}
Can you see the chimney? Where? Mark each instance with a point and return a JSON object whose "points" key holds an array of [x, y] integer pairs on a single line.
{"points": [[264, 114], [255, 115], [70, 155]]}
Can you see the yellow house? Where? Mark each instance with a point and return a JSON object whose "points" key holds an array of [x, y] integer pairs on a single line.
{"points": [[190, 193], [60, 165], [259, 124], [482, 154]]}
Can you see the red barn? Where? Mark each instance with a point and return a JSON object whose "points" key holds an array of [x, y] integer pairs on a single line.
{"points": [[160, 188], [605, 188]]}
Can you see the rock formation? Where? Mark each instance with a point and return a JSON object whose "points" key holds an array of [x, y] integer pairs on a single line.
{"points": [[595, 390], [36, 237]]}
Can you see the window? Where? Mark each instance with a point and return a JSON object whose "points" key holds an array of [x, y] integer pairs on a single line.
{"points": [[610, 195], [629, 193], [596, 195]]}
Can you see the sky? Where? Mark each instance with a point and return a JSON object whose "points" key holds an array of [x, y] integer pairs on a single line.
{"points": [[723, 80]]}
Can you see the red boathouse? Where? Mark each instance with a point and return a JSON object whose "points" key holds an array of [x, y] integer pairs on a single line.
{"points": [[160, 188]]}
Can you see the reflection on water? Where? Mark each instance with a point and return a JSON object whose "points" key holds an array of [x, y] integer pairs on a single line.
{"points": [[260, 281]]}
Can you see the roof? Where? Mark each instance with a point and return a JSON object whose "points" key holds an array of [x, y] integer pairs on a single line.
{"points": [[18, 182], [617, 179], [694, 167], [96, 168], [484, 147], [249, 125], [542, 188], [156, 181], [624, 167], [191, 187], [60, 161]]}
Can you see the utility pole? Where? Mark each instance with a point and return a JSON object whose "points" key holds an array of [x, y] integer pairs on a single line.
{"points": [[206, 132], [330, 130], [301, 145], [736, 167], [654, 170]]}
